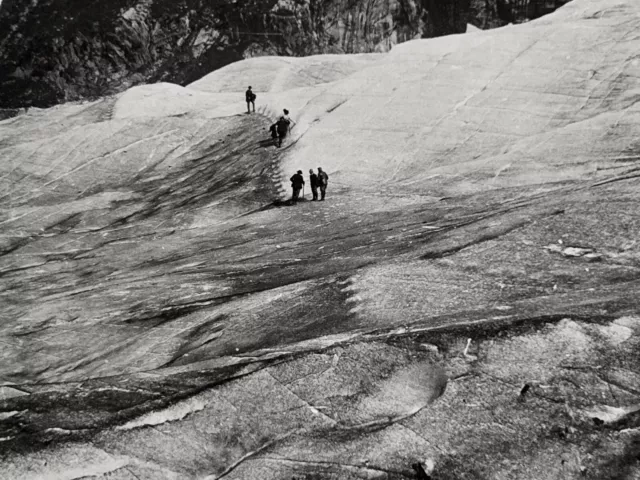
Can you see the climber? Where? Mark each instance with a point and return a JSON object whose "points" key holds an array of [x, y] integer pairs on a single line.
{"points": [[296, 184], [313, 180], [283, 127], [288, 119], [274, 132], [323, 180], [250, 97]]}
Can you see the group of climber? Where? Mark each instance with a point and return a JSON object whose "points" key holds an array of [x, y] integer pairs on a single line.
{"points": [[281, 128], [319, 181], [279, 131]]}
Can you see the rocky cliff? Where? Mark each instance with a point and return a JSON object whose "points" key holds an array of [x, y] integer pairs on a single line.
{"points": [[53, 51]]}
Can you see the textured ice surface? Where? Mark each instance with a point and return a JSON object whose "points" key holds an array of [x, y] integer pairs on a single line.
{"points": [[151, 279]]}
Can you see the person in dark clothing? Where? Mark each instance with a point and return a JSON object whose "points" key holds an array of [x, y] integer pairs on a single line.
{"points": [[250, 97], [274, 132], [323, 180], [313, 180], [296, 183], [283, 127]]}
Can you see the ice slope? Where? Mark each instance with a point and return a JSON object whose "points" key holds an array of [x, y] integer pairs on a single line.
{"points": [[279, 74], [492, 110], [554, 99], [164, 317]]}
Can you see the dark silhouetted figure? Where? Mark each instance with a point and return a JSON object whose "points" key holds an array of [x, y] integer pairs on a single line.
{"points": [[323, 181], [313, 180], [250, 97], [296, 184], [283, 127], [274, 132]]}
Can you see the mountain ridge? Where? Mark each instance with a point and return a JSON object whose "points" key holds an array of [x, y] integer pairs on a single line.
{"points": [[54, 51]]}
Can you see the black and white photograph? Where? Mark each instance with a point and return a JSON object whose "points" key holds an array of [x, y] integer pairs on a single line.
{"points": [[320, 239]]}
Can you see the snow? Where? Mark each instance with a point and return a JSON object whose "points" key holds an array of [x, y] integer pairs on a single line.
{"points": [[177, 412], [278, 74], [477, 107]]}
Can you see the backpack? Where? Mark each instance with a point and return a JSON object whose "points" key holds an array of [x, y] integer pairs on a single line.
{"points": [[282, 125], [253, 96]]}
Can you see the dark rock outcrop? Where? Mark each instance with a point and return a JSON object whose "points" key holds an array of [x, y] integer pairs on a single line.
{"points": [[497, 13], [447, 17]]}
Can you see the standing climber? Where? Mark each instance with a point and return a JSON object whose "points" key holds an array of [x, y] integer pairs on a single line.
{"points": [[296, 184], [287, 118], [250, 97], [274, 133], [323, 180], [283, 127], [313, 180]]}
